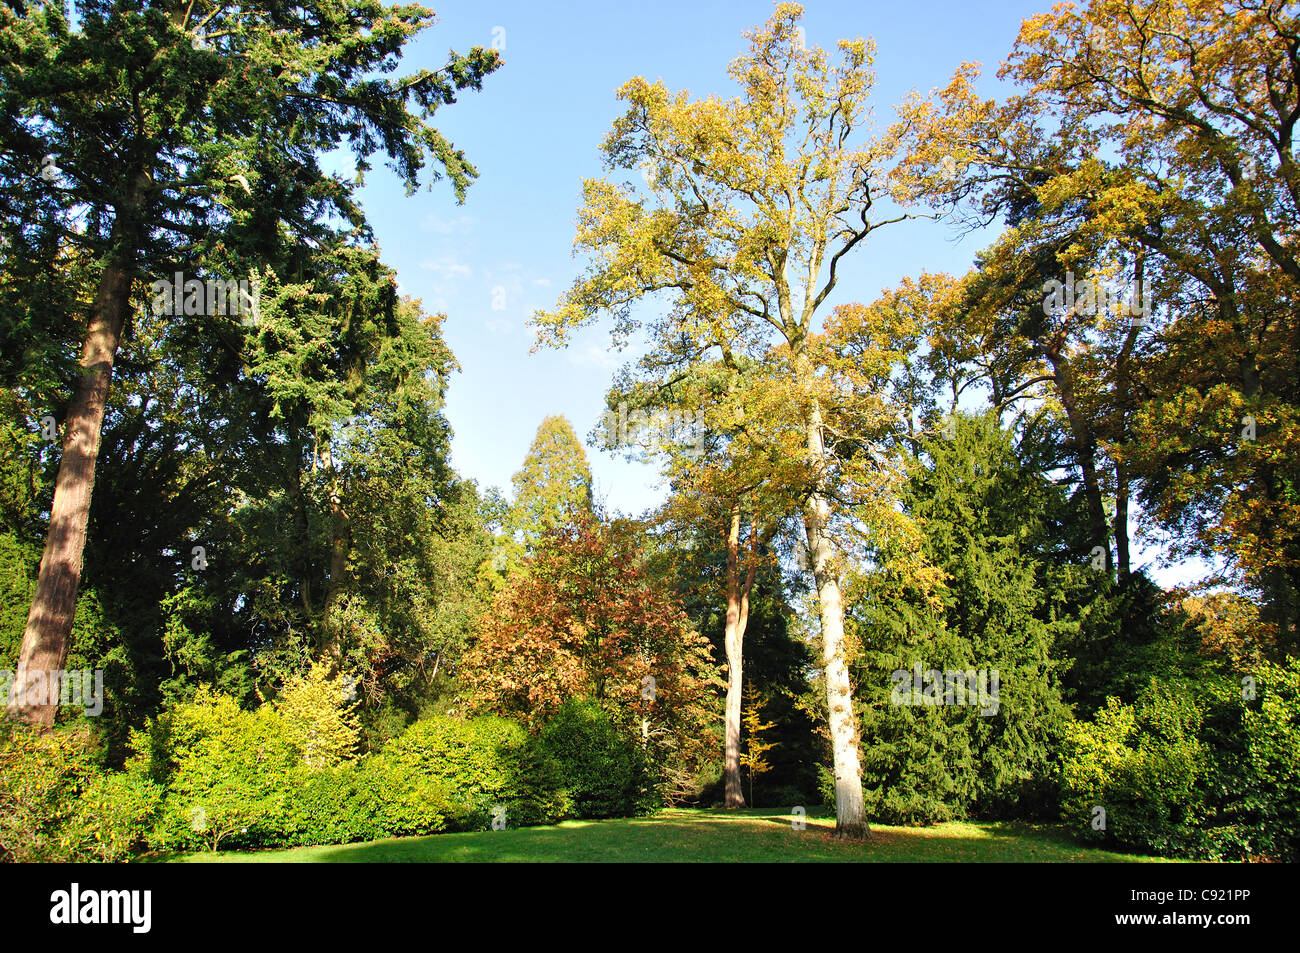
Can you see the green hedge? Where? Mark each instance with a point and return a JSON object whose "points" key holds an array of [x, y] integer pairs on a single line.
{"points": [[209, 775], [603, 774], [1197, 769]]}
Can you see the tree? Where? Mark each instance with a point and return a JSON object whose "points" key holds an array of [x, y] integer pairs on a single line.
{"points": [[1124, 153], [586, 621], [317, 711], [754, 202], [554, 484], [187, 135], [754, 759], [718, 475], [691, 552]]}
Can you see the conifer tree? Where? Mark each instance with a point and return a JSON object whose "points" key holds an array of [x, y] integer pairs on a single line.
{"points": [[554, 484], [171, 137]]}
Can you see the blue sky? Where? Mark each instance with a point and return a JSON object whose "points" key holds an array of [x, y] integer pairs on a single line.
{"points": [[534, 134]]}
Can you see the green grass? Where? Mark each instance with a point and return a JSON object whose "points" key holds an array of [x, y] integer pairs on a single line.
{"points": [[712, 836]]}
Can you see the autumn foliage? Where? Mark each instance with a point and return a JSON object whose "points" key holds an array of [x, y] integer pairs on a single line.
{"points": [[587, 621]]}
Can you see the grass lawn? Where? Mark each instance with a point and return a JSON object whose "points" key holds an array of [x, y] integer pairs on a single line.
{"points": [[714, 836]]}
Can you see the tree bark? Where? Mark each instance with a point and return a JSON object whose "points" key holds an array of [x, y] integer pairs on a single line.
{"points": [[733, 641], [850, 811], [340, 541], [1122, 556], [49, 623], [1085, 445]]}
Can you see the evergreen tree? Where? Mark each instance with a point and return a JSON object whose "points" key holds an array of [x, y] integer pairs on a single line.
{"points": [[184, 137], [554, 484], [981, 513]]}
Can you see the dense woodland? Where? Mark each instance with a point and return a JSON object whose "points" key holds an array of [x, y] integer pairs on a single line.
{"points": [[312, 630]]}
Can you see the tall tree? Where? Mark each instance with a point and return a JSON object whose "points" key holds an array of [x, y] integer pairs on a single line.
{"points": [[554, 484], [1126, 146], [718, 474], [754, 202], [176, 135]]}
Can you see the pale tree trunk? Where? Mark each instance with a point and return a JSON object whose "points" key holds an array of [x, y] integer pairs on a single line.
{"points": [[850, 811], [733, 641], [47, 638]]}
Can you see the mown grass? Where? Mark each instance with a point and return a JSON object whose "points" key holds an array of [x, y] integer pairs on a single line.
{"points": [[713, 836]]}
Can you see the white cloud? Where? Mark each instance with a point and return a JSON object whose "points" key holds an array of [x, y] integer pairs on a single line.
{"points": [[460, 225], [446, 267], [595, 355]]}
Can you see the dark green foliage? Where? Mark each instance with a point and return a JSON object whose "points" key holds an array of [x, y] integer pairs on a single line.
{"points": [[602, 772], [1192, 768], [215, 433], [980, 513]]}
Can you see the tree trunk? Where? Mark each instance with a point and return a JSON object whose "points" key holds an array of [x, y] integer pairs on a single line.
{"points": [[1121, 522], [1124, 405], [49, 623], [733, 640], [850, 811], [331, 647], [1085, 445], [340, 541]]}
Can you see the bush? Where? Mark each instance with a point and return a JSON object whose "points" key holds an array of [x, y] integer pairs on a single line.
{"points": [[602, 772], [41, 777], [57, 804], [1195, 768], [475, 764], [230, 775], [358, 802], [116, 814], [1145, 766], [211, 775], [1256, 786]]}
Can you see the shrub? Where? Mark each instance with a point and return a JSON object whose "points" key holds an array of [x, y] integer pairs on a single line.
{"points": [[363, 801], [1145, 766], [600, 767], [475, 764], [317, 711], [1194, 769], [41, 777], [1256, 785], [231, 775], [116, 814]]}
